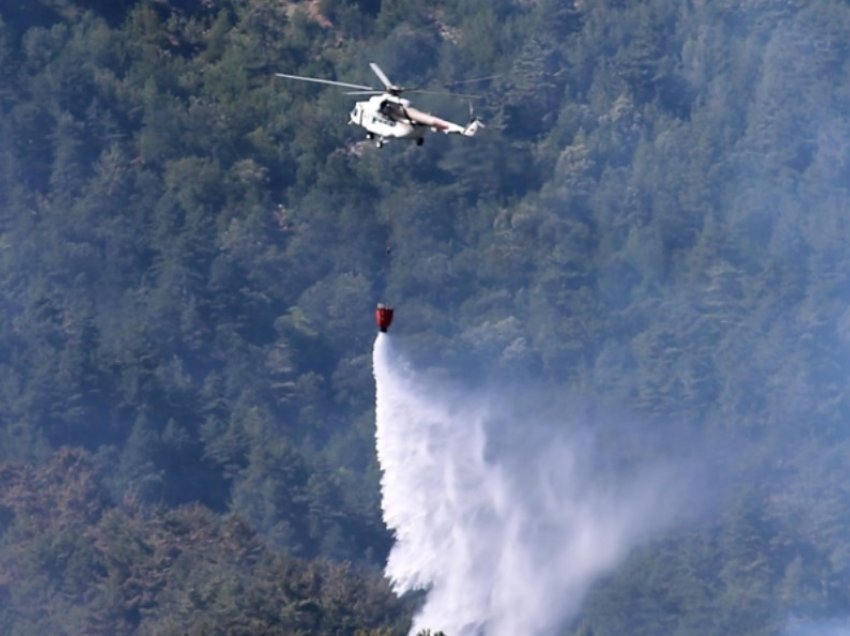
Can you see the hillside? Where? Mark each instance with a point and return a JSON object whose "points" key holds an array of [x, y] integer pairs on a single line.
{"points": [[654, 220]]}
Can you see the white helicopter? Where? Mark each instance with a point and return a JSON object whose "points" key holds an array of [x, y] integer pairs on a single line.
{"points": [[389, 116]]}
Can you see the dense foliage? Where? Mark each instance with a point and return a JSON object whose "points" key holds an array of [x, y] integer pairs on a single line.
{"points": [[73, 564], [655, 218]]}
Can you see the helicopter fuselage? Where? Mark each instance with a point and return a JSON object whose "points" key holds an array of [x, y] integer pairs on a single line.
{"points": [[385, 117]]}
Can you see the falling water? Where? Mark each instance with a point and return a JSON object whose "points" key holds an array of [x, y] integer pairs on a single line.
{"points": [[505, 538]]}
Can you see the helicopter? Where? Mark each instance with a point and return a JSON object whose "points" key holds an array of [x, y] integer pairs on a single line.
{"points": [[387, 115]]}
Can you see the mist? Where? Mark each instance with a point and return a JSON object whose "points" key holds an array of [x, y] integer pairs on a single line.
{"points": [[818, 628], [506, 516]]}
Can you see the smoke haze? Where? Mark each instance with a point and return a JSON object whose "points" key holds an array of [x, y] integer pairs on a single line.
{"points": [[818, 628], [505, 523]]}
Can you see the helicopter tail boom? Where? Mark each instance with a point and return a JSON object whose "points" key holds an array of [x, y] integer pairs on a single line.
{"points": [[447, 127]]}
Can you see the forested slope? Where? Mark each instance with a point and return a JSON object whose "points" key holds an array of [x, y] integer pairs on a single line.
{"points": [[655, 219]]}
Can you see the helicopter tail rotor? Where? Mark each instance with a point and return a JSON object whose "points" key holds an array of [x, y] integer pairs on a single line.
{"points": [[472, 128], [473, 125]]}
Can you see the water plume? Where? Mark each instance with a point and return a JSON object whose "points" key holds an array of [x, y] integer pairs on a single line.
{"points": [[504, 522]]}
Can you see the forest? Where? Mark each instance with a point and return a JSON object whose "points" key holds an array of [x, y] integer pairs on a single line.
{"points": [[655, 219]]}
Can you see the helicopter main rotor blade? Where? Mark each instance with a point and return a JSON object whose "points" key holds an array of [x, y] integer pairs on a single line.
{"points": [[372, 92], [474, 79], [328, 82], [426, 91], [381, 76]]}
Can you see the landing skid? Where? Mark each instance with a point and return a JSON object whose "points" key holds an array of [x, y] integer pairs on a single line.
{"points": [[379, 141]]}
